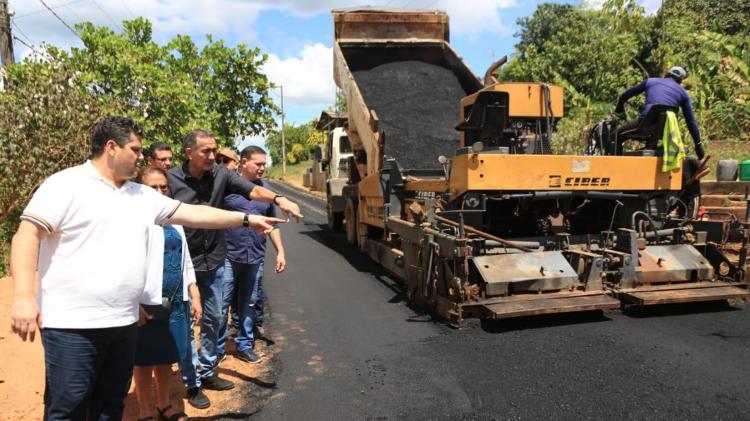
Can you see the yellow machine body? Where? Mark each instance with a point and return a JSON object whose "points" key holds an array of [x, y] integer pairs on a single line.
{"points": [[526, 101], [503, 172]]}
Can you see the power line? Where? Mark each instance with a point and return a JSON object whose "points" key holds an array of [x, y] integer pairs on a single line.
{"points": [[70, 9], [36, 12], [107, 15], [18, 28], [125, 5], [61, 20], [23, 42]]}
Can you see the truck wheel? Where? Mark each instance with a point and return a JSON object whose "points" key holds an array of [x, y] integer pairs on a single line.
{"points": [[335, 219], [350, 218]]}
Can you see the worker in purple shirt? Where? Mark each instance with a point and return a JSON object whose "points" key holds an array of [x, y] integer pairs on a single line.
{"points": [[667, 91], [246, 254]]}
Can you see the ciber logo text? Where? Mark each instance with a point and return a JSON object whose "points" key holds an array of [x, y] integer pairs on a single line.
{"points": [[558, 181]]}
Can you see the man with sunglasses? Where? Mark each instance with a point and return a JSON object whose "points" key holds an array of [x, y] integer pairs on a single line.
{"points": [[160, 156]]}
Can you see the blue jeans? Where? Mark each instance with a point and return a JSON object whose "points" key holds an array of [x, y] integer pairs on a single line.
{"points": [[88, 372], [248, 277], [189, 364], [211, 288], [228, 282], [258, 298]]}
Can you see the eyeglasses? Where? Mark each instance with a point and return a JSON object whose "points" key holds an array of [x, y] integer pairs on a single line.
{"points": [[162, 187], [224, 160]]}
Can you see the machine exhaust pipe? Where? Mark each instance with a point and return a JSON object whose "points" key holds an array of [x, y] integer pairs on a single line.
{"points": [[489, 78]]}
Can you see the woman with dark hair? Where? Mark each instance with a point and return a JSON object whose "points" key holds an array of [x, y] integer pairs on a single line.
{"points": [[163, 332]]}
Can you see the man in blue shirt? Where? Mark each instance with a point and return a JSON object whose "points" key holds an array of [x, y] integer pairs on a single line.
{"points": [[246, 254], [663, 91], [200, 181]]}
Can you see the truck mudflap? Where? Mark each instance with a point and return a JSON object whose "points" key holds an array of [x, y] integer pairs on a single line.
{"points": [[684, 292], [538, 304]]}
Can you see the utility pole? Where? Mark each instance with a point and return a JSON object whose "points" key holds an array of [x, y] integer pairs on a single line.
{"points": [[283, 136], [6, 39]]}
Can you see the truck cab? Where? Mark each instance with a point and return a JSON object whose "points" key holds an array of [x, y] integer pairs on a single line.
{"points": [[336, 156]]}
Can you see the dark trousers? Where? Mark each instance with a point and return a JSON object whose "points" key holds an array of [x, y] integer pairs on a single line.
{"points": [[627, 125], [88, 372]]}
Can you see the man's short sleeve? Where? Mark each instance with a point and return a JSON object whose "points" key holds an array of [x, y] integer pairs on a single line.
{"points": [[164, 207], [238, 185], [50, 203]]}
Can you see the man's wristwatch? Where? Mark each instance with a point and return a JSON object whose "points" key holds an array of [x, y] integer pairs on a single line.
{"points": [[246, 221], [276, 197]]}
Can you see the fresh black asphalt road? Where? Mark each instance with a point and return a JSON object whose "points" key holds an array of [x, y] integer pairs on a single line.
{"points": [[349, 348]]}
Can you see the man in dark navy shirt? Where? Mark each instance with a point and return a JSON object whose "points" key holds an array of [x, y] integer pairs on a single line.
{"points": [[246, 254], [663, 91], [200, 181]]}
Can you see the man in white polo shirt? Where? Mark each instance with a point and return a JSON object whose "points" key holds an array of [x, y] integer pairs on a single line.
{"points": [[86, 230]]}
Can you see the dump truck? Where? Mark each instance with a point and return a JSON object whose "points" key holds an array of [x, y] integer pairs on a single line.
{"points": [[334, 157], [453, 188]]}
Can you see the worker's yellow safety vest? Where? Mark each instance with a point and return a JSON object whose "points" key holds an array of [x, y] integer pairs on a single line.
{"points": [[671, 140]]}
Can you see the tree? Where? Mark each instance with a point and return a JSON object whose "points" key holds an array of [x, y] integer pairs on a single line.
{"points": [[300, 140], [177, 87], [51, 102], [340, 104], [596, 54], [730, 17], [593, 54], [46, 115]]}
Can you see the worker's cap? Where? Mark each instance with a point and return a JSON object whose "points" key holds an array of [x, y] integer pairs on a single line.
{"points": [[678, 73], [228, 153]]}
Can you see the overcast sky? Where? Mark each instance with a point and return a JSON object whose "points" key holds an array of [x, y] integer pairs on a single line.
{"points": [[297, 34]]}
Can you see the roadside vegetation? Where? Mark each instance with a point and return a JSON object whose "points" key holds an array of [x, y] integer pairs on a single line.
{"points": [[597, 54], [52, 99], [300, 141], [293, 171]]}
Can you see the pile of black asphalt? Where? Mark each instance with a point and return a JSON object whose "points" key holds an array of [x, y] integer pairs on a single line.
{"points": [[417, 105]]}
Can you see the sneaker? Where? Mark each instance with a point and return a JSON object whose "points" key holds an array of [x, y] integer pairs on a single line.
{"points": [[249, 357], [213, 382], [197, 399]]}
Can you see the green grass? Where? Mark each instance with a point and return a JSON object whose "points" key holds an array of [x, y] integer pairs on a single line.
{"points": [[292, 170]]}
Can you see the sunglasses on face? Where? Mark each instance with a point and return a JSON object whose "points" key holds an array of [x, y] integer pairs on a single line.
{"points": [[224, 160]]}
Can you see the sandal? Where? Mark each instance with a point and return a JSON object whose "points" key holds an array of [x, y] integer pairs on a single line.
{"points": [[177, 416]]}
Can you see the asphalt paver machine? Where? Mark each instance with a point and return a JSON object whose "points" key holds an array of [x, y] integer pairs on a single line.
{"points": [[454, 189]]}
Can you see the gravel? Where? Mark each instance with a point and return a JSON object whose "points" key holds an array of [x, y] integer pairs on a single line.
{"points": [[417, 104]]}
